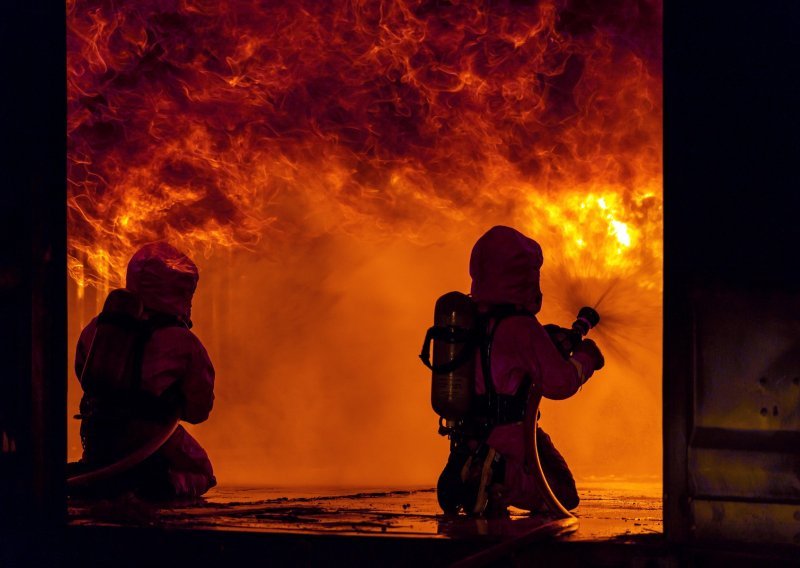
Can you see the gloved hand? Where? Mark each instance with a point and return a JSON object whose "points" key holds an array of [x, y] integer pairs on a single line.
{"points": [[562, 338], [590, 348]]}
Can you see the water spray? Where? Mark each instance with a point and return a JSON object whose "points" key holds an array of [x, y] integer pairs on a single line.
{"points": [[604, 294]]}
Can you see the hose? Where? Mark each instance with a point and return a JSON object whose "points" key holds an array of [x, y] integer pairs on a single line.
{"points": [[125, 463], [562, 521]]}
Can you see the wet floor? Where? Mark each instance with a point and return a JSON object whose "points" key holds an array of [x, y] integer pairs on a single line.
{"points": [[609, 510]]}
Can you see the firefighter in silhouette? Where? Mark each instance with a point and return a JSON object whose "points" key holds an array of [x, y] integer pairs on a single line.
{"points": [[143, 371], [483, 398]]}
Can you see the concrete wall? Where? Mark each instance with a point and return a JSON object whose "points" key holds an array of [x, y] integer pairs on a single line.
{"points": [[744, 444]]}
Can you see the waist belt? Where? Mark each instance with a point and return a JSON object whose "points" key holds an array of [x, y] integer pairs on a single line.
{"points": [[125, 408], [508, 408]]}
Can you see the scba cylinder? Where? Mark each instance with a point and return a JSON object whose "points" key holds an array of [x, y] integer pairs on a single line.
{"points": [[453, 363]]}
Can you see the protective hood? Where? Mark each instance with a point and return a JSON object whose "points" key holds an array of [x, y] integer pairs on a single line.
{"points": [[504, 267], [164, 278]]}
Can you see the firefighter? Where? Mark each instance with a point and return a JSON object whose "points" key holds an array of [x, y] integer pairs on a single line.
{"points": [[504, 267], [173, 380]]}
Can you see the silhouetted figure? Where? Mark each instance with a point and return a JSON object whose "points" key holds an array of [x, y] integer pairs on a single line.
{"points": [[498, 455], [146, 372]]}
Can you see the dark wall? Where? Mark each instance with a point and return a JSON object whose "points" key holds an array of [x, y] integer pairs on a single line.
{"points": [[32, 273], [732, 137], [732, 230]]}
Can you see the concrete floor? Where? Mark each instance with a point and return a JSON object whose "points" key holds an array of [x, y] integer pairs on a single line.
{"points": [[608, 510], [619, 524]]}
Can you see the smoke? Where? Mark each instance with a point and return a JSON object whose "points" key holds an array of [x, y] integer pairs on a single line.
{"points": [[318, 380]]}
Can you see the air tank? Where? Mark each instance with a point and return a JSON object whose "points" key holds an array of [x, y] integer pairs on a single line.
{"points": [[453, 365]]}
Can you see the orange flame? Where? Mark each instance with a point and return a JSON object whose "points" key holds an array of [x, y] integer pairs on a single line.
{"points": [[239, 125], [188, 119]]}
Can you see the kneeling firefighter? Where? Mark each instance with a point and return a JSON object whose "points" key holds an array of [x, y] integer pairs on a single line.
{"points": [[142, 371], [490, 354]]}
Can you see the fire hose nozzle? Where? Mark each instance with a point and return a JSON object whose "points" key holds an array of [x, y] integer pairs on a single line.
{"points": [[566, 340], [587, 319]]}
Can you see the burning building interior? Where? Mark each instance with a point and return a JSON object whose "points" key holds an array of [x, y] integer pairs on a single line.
{"points": [[328, 167]]}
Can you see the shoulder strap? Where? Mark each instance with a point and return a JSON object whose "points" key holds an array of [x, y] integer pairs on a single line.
{"points": [[497, 313], [487, 337]]}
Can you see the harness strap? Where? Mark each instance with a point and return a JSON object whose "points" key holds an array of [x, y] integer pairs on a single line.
{"points": [[500, 408]]}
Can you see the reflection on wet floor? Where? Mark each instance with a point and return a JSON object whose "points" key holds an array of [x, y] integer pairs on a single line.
{"points": [[608, 510]]}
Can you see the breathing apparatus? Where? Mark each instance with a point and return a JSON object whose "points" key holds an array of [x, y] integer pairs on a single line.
{"points": [[455, 337], [111, 378]]}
